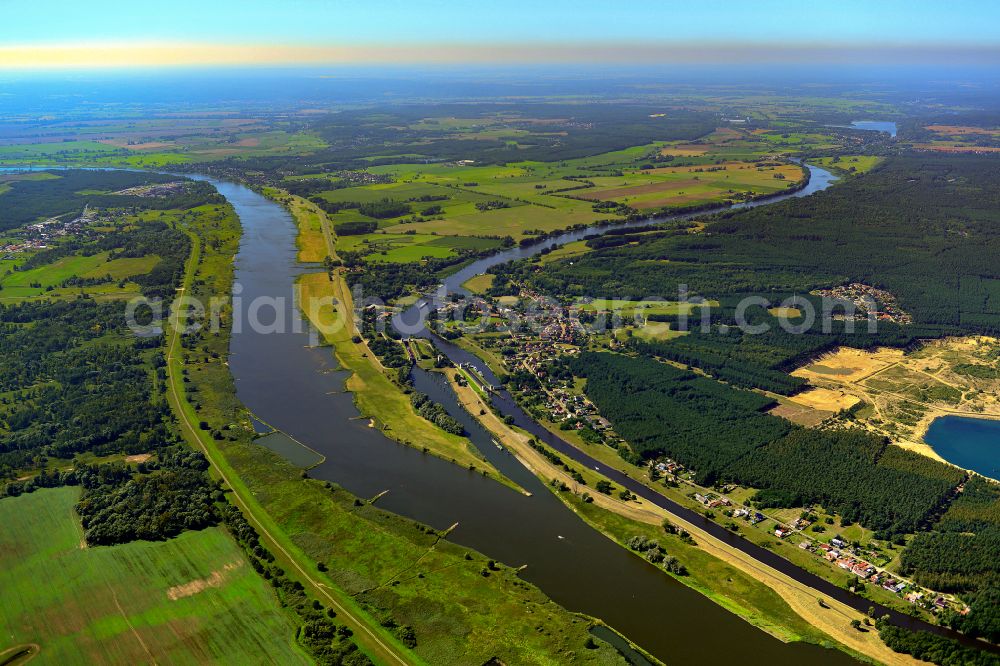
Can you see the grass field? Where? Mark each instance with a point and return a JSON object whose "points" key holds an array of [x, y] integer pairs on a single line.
{"points": [[652, 330], [567, 251], [192, 599], [18, 285], [689, 185], [855, 164], [311, 220], [630, 309], [506, 221], [480, 283], [410, 247]]}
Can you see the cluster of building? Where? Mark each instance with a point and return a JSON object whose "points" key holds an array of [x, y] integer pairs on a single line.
{"points": [[41, 235], [837, 552], [353, 178], [155, 190], [549, 332], [556, 332], [713, 501], [752, 517], [668, 466], [562, 403], [864, 297]]}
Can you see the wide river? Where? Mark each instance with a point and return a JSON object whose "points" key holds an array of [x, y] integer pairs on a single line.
{"points": [[299, 389]]}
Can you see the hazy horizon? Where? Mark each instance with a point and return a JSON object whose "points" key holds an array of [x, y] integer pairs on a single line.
{"points": [[103, 34]]}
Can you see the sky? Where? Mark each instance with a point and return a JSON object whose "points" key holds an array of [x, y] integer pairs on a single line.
{"points": [[71, 33]]}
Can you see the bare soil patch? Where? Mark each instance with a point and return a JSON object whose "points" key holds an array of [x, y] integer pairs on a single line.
{"points": [[849, 365], [215, 579]]}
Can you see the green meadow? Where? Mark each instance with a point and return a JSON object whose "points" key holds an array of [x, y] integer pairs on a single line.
{"points": [[856, 164], [406, 248], [192, 599], [34, 283]]}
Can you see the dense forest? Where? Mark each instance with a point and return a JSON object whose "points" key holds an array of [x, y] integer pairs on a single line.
{"points": [[930, 647], [73, 378], [763, 360], [67, 192], [923, 228], [962, 554], [661, 410], [853, 473], [721, 433], [73, 383], [570, 131]]}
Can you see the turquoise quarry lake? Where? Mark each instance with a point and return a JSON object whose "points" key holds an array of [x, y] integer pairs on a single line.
{"points": [[967, 442]]}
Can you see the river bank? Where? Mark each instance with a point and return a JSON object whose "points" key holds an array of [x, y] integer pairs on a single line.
{"points": [[582, 570], [385, 575], [376, 396], [729, 577]]}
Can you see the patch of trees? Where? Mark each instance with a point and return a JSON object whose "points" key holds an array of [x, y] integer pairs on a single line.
{"points": [[930, 647], [661, 410], [389, 351], [30, 200], [307, 187], [721, 433], [962, 554], [151, 507], [384, 209], [557, 460], [355, 228], [435, 413], [387, 281], [155, 500], [171, 245], [656, 554], [924, 228], [492, 204], [850, 472]]}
